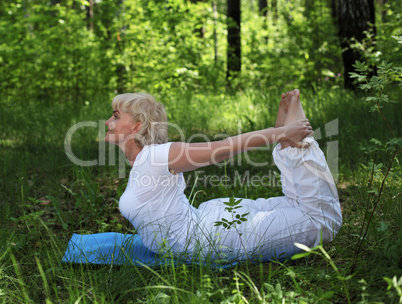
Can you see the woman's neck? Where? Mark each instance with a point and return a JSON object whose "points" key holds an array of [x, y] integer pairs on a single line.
{"points": [[131, 150]]}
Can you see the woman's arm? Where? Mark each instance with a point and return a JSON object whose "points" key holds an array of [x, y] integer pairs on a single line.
{"points": [[190, 156]]}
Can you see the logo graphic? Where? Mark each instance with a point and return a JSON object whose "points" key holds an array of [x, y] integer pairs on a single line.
{"points": [[328, 144], [331, 150]]}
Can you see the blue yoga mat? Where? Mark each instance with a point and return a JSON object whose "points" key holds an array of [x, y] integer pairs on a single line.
{"points": [[117, 248], [108, 248]]}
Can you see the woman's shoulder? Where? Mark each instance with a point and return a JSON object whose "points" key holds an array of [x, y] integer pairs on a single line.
{"points": [[155, 154], [159, 148]]}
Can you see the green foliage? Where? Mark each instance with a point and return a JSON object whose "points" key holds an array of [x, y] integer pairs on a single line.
{"points": [[57, 52], [298, 48], [378, 171], [237, 219]]}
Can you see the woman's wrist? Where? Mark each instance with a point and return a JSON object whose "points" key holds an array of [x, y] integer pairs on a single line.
{"points": [[281, 134]]}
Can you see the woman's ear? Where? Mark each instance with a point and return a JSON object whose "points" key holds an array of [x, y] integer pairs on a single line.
{"points": [[136, 127]]}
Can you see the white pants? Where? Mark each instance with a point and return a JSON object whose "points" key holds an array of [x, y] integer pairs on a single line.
{"points": [[309, 210]]}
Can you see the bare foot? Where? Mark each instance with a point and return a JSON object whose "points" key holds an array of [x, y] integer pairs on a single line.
{"points": [[283, 109], [294, 112], [295, 109]]}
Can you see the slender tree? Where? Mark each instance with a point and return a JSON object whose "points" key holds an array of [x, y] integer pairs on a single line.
{"points": [[263, 7], [90, 14], [234, 38], [215, 18], [334, 9], [274, 10], [120, 41], [355, 17]]}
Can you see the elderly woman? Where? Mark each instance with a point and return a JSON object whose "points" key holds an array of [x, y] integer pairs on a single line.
{"points": [[155, 203]]}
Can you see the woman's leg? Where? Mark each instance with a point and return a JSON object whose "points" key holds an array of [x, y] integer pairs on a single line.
{"points": [[288, 188], [306, 171], [310, 205], [287, 201]]}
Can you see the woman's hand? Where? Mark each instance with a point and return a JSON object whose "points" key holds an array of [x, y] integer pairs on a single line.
{"points": [[295, 131]]}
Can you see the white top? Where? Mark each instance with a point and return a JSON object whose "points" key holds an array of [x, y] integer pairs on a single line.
{"points": [[155, 203]]}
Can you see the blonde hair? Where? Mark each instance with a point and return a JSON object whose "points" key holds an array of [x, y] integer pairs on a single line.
{"points": [[145, 109]]}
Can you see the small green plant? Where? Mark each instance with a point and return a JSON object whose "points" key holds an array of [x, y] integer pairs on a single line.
{"points": [[237, 219]]}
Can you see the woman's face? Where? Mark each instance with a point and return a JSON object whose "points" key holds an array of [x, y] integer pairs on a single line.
{"points": [[120, 127]]}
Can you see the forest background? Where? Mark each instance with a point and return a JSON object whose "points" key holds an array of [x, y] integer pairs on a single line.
{"points": [[219, 67]]}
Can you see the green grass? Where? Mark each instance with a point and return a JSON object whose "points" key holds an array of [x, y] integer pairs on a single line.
{"points": [[44, 198]]}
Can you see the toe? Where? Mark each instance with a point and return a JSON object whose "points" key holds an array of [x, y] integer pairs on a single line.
{"points": [[296, 94], [283, 100]]}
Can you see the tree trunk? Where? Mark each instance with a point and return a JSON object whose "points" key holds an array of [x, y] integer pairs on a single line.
{"points": [[263, 7], [333, 4], [90, 14], [334, 9], [121, 70], [274, 10], [215, 33], [354, 17], [234, 42]]}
